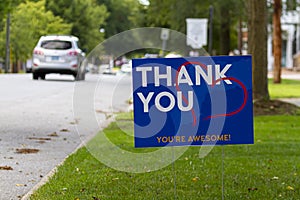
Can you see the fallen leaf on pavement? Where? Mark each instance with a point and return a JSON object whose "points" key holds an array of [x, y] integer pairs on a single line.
{"points": [[37, 138], [27, 151], [6, 168], [21, 185], [100, 111], [75, 121], [54, 134]]}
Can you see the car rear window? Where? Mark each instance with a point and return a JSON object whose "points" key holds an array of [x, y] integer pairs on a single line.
{"points": [[56, 44]]}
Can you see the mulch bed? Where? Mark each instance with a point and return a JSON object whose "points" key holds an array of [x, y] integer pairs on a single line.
{"points": [[275, 107]]}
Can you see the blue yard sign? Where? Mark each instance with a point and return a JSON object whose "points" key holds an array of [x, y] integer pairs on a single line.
{"points": [[192, 101]]}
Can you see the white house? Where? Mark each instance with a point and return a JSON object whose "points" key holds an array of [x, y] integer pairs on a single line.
{"points": [[290, 24]]}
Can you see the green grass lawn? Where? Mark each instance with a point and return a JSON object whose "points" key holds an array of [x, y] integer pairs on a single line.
{"points": [[287, 89], [269, 169]]}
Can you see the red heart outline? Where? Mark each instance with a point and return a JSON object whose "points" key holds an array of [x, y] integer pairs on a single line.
{"points": [[214, 83]]}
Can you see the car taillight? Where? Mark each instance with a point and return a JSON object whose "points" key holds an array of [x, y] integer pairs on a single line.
{"points": [[38, 52], [73, 53]]}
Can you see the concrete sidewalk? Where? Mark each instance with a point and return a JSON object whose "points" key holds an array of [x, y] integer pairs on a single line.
{"points": [[288, 74], [295, 101]]}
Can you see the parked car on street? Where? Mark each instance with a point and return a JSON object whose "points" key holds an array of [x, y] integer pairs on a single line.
{"points": [[126, 68], [57, 54]]}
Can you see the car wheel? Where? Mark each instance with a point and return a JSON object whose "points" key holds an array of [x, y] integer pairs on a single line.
{"points": [[35, 76]]}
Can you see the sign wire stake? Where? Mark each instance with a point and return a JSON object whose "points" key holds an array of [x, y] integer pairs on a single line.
{"points": [[223, 172], [174, 173]]}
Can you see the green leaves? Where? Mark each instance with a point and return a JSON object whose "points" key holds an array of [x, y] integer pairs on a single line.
{"points": [[32, 19], [8, 6], [123, 15], [86, 17], [29, 21]]}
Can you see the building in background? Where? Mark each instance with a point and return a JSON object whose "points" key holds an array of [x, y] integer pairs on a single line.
{"points": [[290, 24]]}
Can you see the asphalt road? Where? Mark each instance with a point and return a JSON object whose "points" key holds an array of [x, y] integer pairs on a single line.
{"points": [[38, 126]]}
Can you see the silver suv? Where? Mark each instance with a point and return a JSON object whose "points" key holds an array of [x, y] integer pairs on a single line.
{"points": [[57, 54]]}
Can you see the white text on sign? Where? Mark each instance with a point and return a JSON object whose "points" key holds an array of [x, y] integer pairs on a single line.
{"points": [[182, 77]]}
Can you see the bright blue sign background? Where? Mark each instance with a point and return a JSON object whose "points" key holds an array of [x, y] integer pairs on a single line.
{"points": [[192, 101]]}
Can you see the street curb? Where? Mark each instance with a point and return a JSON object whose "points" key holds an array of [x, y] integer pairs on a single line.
{"points": [[46, 178]]}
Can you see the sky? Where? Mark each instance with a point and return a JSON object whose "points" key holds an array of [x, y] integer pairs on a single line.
{"points": [[144, 2]]}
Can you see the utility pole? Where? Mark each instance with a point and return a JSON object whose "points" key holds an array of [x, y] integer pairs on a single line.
{"points": [[210, 40], [7, 55]]}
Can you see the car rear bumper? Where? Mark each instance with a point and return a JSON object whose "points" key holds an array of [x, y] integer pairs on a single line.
{"points": [[60, 68], [54, 71]]}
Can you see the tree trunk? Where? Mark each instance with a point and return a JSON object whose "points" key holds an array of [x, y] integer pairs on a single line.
{"points": [[240, 37], [277, 41], [15, 65], [257, 46], [225, 30]]}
